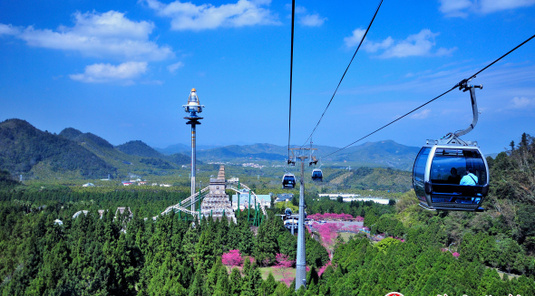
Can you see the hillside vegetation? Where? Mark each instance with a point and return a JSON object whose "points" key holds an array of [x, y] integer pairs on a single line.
{"points": [[71, 155], [408, 249], [362, 178], [27, 150]]}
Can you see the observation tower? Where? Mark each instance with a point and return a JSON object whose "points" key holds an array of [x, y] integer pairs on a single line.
{"points": [[193, 107]]}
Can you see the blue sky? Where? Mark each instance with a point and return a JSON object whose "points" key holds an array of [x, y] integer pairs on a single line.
{"points": [[123, 69]]}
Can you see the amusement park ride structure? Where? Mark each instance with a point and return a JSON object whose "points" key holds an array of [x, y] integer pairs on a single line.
{"points": [[215, 203], [213, 200], [193, 107]]}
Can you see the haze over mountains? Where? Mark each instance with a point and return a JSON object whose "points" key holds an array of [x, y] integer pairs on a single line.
{"points": [[26, 150]]}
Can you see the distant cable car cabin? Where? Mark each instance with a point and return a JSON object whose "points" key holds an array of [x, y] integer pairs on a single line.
{"points": [[452, 174], [288, 212], [288, 181], [317, 175]]}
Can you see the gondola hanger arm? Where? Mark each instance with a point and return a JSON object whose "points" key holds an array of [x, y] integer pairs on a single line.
{"points": [[463, 85]]}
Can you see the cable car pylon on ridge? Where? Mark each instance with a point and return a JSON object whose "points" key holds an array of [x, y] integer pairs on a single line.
{"points": [[288, 179], [452, 174], [317, 174]]}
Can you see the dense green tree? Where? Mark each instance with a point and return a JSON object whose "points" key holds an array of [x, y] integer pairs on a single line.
{"points": [[316, 255], [266, 246], [269, 285], [235, 282], [222, 287]]}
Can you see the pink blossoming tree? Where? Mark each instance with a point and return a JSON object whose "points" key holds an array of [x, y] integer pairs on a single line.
{"points": [[232, 258], [323, 268], [284, 264]]}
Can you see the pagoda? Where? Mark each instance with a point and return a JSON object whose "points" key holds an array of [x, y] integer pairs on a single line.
{"points": [[217, 202]]}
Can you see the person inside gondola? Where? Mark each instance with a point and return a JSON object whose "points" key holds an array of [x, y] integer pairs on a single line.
{"points": [[454, 178], [469, 179]]}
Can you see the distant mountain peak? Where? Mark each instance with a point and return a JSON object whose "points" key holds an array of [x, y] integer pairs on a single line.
{"points": [[138, 148], [16, 123], [87, 138], [70, 133]]}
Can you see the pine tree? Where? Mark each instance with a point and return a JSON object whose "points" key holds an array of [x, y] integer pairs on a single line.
{"points": [[236, 282], [269, 285]]}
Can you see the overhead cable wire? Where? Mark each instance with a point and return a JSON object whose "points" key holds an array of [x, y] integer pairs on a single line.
{"points": [[345, 72], [291, 75], [462, 82], [393, 121]]}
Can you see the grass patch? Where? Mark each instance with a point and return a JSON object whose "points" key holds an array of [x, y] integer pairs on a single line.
{"points": [[277, 273], [346, 236]]}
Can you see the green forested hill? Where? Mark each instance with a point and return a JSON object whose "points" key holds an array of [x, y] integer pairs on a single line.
{"points": [[362, 178], [88, 139], [256, 152], [138, 148], [388, 154], [72, 154], [27, 150], [76, 155]]}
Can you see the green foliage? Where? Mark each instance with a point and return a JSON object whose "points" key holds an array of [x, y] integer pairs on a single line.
{"points": [[316, 255], [25, 149], [6, 181], [157, 163], [123, 255], [266, 246], [388, 179], [138, 148], [367, 209]]}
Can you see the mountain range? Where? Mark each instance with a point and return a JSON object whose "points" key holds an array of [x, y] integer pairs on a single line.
{"points": [[35, 154], [388, 154]]}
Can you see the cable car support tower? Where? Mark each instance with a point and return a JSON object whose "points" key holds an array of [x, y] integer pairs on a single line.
{"points": [[301, 154]]}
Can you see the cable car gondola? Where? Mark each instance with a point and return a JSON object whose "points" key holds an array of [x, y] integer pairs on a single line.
{"points": [[437, 174], [288, 181], [317, 175], [452, 174]]}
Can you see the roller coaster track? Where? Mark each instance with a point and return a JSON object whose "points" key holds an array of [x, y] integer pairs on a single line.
{"points": [[262, 208], [185, 205]]}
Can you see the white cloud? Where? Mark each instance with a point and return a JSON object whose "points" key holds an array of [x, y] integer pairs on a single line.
{"points": [[421, 44], [489, 6], [354, 39], [462, 8], [100, 73], [415, 45], [369, 46], [312, 20], [422, 114], [188, 16], [110, 24], [108, 34], [8, 30], [522, 103], [307, 19], [455, 8], [173, 67]]}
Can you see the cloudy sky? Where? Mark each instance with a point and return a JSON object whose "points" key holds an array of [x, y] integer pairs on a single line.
{"points": [[123, 69]]}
